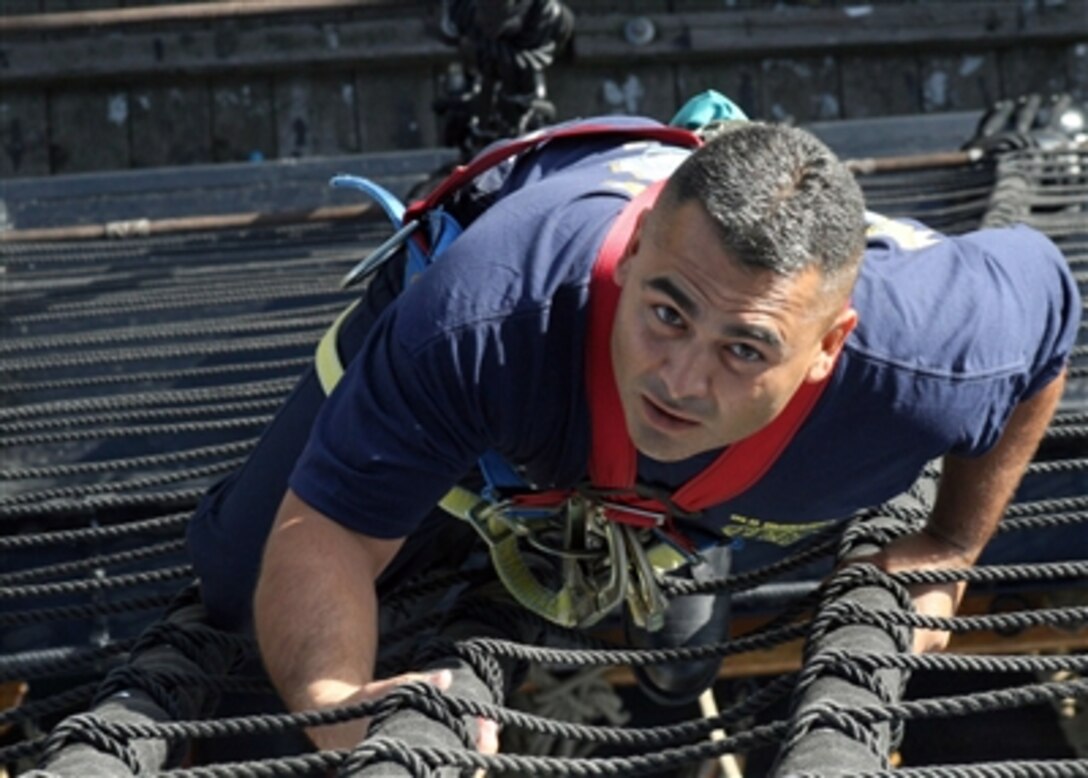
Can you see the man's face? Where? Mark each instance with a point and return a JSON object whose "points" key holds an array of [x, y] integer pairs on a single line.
{"points": [[705, 350]]}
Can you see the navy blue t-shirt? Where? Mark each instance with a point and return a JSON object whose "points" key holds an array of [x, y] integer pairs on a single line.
{"points": [[485, 350]]}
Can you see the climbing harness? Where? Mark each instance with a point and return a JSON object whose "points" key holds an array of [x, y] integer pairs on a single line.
{"points": [[604, 543]]}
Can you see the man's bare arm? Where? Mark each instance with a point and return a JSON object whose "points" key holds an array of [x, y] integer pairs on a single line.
{"points": [[971, 499], [315, 613]]}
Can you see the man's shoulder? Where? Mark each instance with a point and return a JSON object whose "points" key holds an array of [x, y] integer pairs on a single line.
{"points": [[513, 266], [970, 307]]}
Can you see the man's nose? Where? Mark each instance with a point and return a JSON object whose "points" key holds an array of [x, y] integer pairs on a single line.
{"points": [[686, 372]]}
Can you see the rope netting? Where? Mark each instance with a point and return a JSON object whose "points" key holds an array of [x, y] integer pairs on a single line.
{"points": [[136, 373]]}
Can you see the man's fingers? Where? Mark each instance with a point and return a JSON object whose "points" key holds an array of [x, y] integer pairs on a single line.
{"points": [[927, 640], [442, 679], [487, 736]]}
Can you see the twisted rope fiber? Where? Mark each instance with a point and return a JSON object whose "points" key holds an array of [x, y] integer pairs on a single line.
{"points": [[1059, 768], [156, 289], [274, 294], [180, 306], [305, 339], [90, 563], [1013, 620], [193, 639], [75, 612], [1016, 510], [129, 463], [486, 667], [115, 487], [764, 735], [998, 573], [108, 583], [80, 695], [1042, 522], [156, 286], [1058, 466], [1071, 432], [166, 249], [416, 696], [195, 291], [760, 736], [173, 521], [86, 382], [47, 662], [116, 335], [32, 711], [147, 414], [427, 700], [957, 663], [86, 506], [262, 388], [81, 729], [142, 431], [628, 656], [845, 580], [821, 546]]}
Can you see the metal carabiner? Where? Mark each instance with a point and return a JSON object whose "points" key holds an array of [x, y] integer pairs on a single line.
{"points": [[644, 596]]}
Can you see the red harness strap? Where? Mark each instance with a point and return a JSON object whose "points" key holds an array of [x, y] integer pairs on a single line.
{"points": [[613, 458]]}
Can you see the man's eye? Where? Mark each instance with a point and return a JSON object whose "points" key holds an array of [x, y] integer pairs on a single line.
{"points": [[668, 316], [745, 352]]}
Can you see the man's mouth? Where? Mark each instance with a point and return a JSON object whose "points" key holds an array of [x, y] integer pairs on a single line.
{"points": [[661, 417]]}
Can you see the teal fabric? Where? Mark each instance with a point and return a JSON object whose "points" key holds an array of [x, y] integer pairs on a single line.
{"points": [[706, 107]]}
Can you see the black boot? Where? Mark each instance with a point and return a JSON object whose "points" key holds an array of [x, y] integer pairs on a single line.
{"points": [[691, 620]]}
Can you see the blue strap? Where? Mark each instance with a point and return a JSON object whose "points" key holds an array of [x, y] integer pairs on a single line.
{"points": [[390, 203], [442, 230]]}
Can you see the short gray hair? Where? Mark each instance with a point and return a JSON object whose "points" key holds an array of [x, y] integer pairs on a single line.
{"points": [[781, 199]]}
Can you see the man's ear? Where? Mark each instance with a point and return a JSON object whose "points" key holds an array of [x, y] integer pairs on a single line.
{"points": [[831, 345], [623, 267]]}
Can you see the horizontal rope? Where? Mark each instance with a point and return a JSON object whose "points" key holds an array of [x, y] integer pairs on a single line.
{"points": [[90, 563], [174, 521]]}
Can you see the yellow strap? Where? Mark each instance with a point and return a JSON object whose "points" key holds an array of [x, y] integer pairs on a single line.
{"points": [[327, 358]]}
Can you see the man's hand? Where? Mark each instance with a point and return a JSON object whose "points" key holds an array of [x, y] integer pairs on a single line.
{"points": [[925, 551], [351, 733], [315, 615], [971, 499]]}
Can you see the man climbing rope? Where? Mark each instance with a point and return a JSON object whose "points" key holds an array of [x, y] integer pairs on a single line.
{"points": [[651, 366]]}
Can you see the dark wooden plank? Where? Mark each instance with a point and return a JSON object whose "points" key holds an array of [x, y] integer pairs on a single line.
{"points": [[57, 6], [791, 30], [897, 135], [224, 48], [19, 7], [958, 82], [644, 90], [279, 43], [23, 134], [395, 108], [315, 115], [1029, 69], [243, 120], [801, 89], [89, 130], [880, 86], [742, 82], [583, 8], [170, 125]]}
